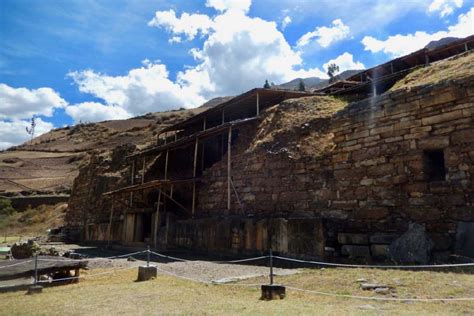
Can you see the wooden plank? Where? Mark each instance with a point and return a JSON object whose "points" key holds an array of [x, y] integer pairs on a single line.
{"points": [[109, 227], [258, 105], [143, 169], [157, 220], [166, 165], [196, 147], [177, 203], [149, 185], [229, 141]]}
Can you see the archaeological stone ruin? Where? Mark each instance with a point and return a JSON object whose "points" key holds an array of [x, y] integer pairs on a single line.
{"points": [[379, 166]]}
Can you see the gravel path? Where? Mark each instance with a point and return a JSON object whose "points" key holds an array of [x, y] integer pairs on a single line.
{"points": [[198, 270]]}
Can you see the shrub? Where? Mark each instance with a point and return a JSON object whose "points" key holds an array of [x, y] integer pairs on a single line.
{"points": [[6, 207]]}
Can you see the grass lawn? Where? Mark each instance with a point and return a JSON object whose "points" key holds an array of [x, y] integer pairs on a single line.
{"points": [[10, 239], [119, 294]]}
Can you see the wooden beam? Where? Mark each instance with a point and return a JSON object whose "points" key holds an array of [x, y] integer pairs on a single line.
{"points": [[157, 220], [143, 169], [196, 146], [229, 142], [258, 105], [132, 177], [223, 116], [109, 227], [176, 202], [204, 124], [166, 165]]}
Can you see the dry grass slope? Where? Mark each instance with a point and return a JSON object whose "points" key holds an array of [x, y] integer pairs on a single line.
{"points": [[457, 67], [119, 294], [298, 126]]}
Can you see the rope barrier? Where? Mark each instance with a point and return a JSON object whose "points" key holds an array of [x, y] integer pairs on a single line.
{"points": [[382, 298], [16, 264], [376, 266], [230, 261]]}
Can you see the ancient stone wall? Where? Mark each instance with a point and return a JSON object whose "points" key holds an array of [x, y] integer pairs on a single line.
{"points": [[373, 183]]}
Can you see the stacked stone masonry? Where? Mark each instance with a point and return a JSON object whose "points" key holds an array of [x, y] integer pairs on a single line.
{"points": [[358, 198]]}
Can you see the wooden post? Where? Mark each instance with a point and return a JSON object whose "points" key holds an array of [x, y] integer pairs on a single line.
{"points": [[229, 141], [143, 170], [167, 227], [204, 124], [132, 178], [109, 228], [258, 105], [157, 220], [466, 48], [166, 165], [223, 117], [391, 68], [427, 59], [196, 146]]}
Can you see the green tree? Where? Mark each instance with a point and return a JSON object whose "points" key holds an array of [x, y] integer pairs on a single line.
{"points": [[333, 69], [301, 86], [266, 85]]}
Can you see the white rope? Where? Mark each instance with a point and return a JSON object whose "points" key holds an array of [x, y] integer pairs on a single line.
{"points": [[377, 266], [230, 261], [87, 276], [16, 264], [168, 257], [396, 299]]}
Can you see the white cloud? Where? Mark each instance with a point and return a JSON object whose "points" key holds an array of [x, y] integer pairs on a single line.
{"points": [[286, 21], [345, 62], [324, 35], [224, 5], [445, 7], [13, 132], [95, 112], [20, 103], [188, 24], [141, 90], [398, 45]]}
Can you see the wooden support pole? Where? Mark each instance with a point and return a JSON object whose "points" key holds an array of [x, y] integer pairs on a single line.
{"points": [[229, 142], [196, 146], [223, 117], [109, 228], [204, 124], [166, 165], [176, 202], [157, 220], [132, 177], [258, 105], [391, 68], [143, 169], [466, 48]]}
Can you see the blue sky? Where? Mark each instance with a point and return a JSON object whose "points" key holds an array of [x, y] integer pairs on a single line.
{"points": [[83, 60]]}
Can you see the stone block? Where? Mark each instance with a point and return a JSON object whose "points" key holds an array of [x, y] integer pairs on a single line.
{"points": [[146, 273], [352, 239], [434, 142], [355, 251], [444, 117], [34, 289], [272, 292], [379, 251], [382, 238]]}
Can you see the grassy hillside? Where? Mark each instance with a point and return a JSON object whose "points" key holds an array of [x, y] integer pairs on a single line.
{"points": [[50, 162]]}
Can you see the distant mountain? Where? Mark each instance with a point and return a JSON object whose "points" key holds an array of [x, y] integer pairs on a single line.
{"points": [[216, 101], [312, 83], [444, 41]]}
